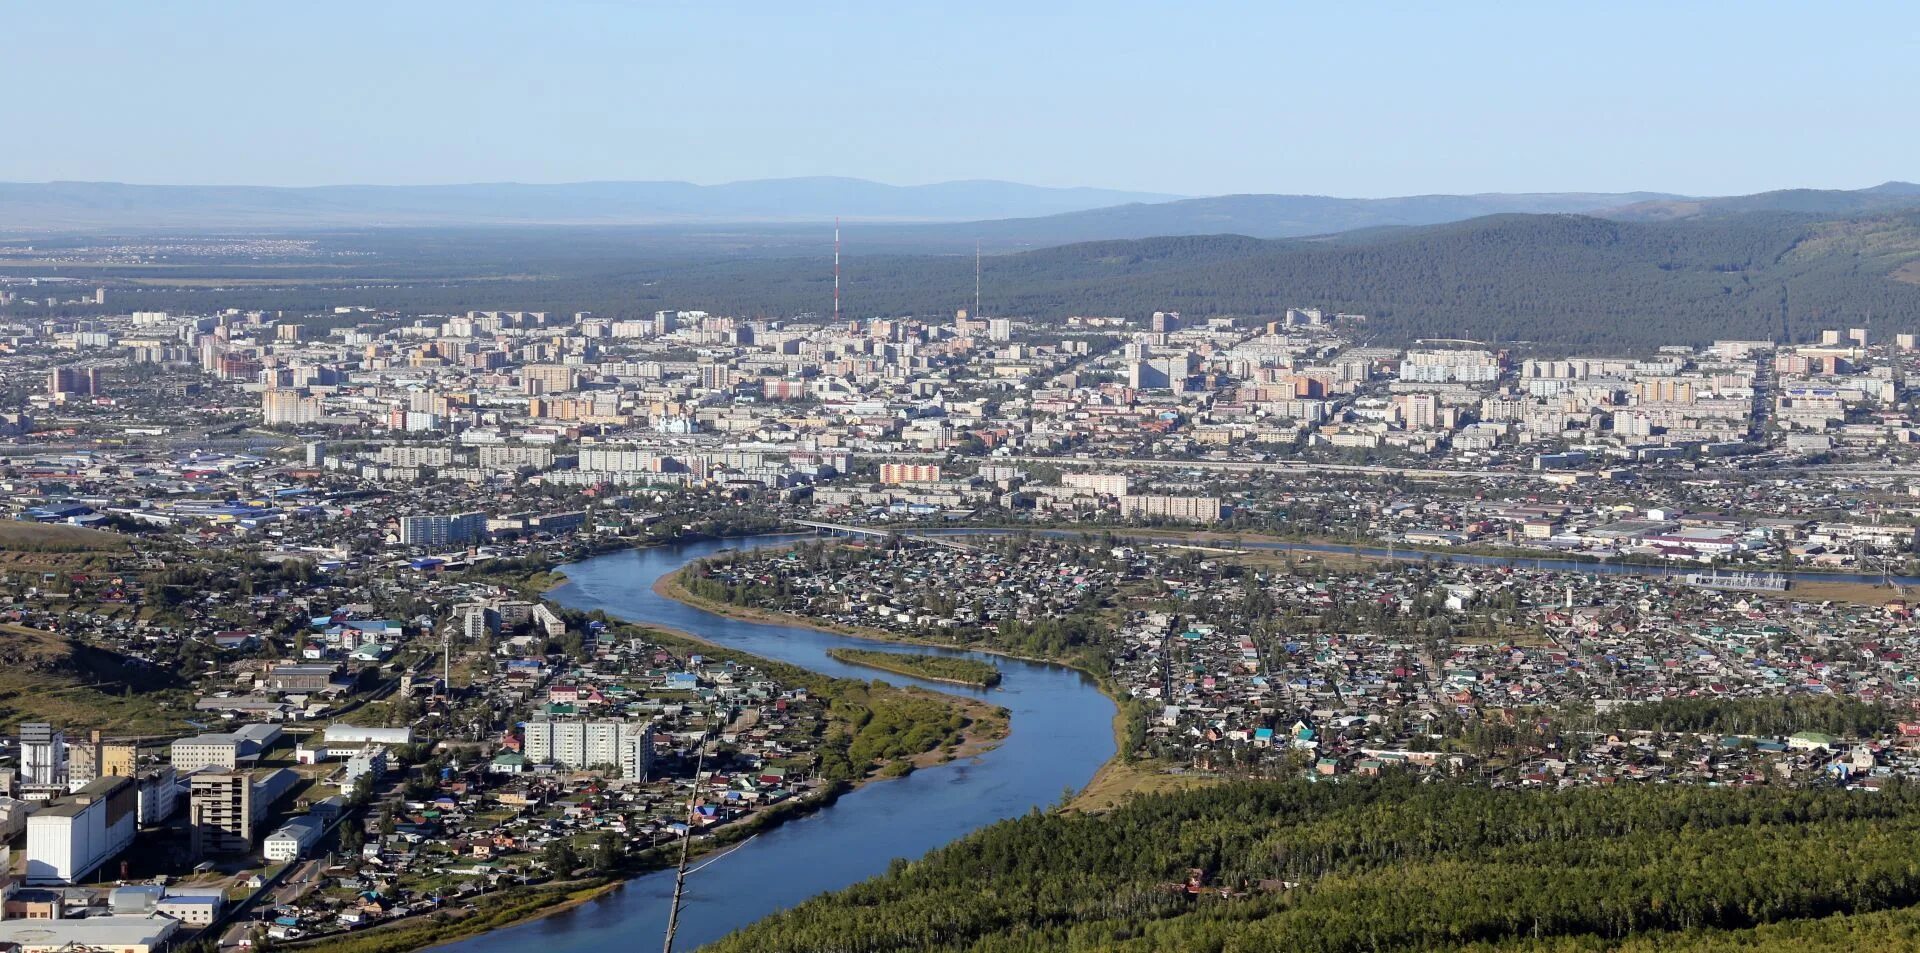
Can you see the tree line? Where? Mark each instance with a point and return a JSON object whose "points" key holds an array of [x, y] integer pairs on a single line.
{"points": [[1395, 863]]}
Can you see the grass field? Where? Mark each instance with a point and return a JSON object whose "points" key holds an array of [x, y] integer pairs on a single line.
{"points": [[1118, 780], [47, 677], [1860, 593], [19, 536]]}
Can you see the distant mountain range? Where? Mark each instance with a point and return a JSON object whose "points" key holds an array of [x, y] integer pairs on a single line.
{"points": [[118, 206], [773, 213], [1302, 216], [1283, 216], [1888, 195]]}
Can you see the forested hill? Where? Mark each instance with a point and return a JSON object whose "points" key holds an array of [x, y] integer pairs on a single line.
{"points": [[1559, 280], [1277, 216], [1395, 864], [1299, 216], [1886, 196]]}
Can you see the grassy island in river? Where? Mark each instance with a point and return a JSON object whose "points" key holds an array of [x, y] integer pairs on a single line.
{"points": [[938, 668]]}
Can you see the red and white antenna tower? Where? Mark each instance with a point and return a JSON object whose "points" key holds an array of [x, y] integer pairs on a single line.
{"points": [[836, 269]]}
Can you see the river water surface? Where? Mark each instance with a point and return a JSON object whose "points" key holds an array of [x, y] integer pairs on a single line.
{"points": [[1062, 731]]}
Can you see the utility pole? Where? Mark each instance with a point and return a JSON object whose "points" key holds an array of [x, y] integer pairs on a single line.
{"points": [[686, 847]]}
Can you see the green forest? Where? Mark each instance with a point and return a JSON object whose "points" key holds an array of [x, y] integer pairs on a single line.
{"points": [[941, 667], [1399, 864], [1770, 716], [883, 726]]}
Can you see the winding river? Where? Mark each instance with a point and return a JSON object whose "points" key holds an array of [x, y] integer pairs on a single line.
{"points": [[1062, 731]]}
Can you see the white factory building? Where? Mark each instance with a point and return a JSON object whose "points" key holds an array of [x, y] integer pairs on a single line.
{"points": [[292, 839], [73, 836]]}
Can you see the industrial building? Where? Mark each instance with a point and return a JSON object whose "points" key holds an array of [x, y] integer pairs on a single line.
{"points": [[293, 838], [95, 758], [343, 733], [300, 679], [223, 751], [226, 809], [73, 836], [159, 794], [121, 933], [43, 754]]}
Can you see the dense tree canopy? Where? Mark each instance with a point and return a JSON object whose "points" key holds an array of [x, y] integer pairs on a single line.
{"points": [[1387, 865]]}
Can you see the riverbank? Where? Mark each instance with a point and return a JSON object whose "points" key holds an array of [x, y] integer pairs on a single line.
{"points": [[522, 905], [1116, 779], [518, 906], [423, 932], [985, 727], [1065, 733], [670, 587], [923, 667]]}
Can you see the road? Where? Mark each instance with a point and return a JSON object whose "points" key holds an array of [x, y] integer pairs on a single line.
{"points": [[292, 886], [1240, 466]]}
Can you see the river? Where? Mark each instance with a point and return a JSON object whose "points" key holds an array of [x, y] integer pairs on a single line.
{"points": [[1062, 731], [1061, 734]]}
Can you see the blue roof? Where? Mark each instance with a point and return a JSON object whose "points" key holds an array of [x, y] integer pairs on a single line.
{"points": [[59, 510]]}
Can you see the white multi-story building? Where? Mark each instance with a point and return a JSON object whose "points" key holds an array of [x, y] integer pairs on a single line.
{"points": [[1439, 367], [43, 754], [1104, 484], [292, 839], [510, 457], [368, 763], [581, 745], [159, 794], [289, 407], [222, 750], [414, 455], [13, 816], [619, 461], [1198, 509]]}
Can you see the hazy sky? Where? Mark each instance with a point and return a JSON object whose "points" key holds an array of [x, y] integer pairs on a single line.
{"points": [[1196, 98]]}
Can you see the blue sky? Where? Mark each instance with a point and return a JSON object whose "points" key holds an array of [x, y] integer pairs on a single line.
{"points": [[1361, 99]]}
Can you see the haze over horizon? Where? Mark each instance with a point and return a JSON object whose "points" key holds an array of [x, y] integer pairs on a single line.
{"points": [[1461, 100], [719, 183]]}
